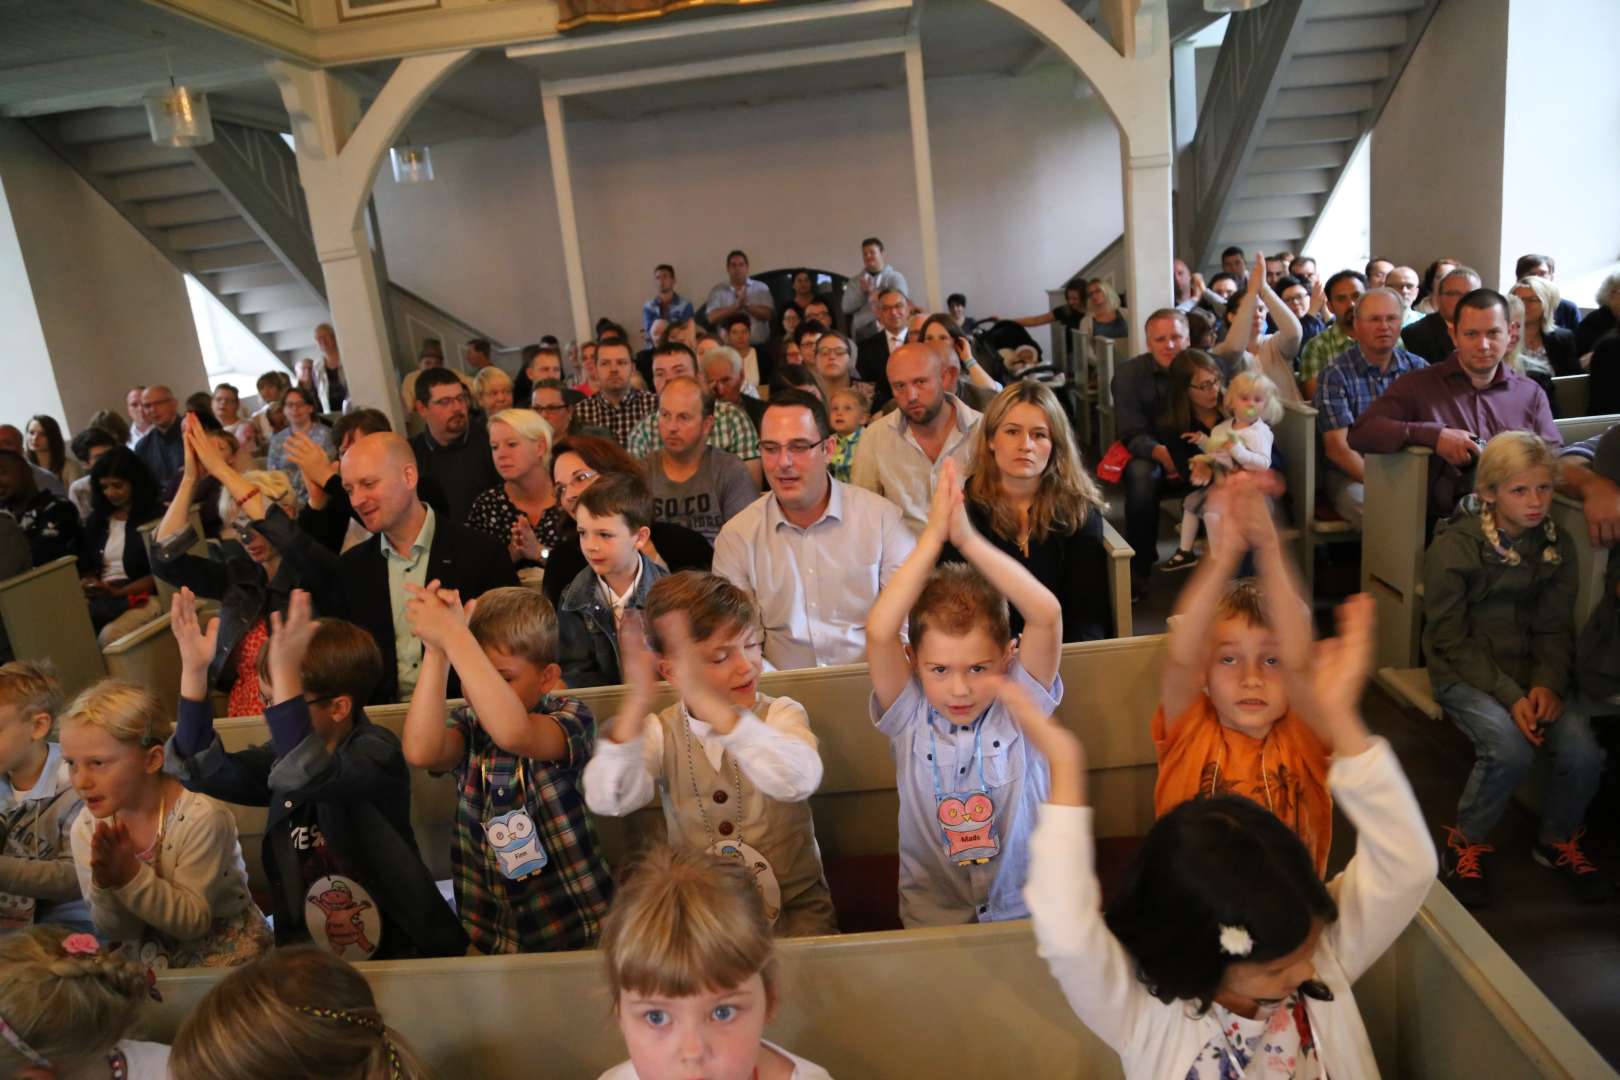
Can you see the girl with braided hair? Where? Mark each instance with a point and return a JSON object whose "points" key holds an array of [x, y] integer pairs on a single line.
{"points": [[1499, 585], [298, 1011], [66, 1005]]}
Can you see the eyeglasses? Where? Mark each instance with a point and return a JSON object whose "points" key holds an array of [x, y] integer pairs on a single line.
{"points": [[243, 526], [832, 350], [459, 399], [797, 448], [584, 476], [1210, 384]]}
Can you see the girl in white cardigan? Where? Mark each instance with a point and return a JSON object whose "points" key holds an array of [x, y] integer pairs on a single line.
{"points": [[1226, 957], [160, 866]]}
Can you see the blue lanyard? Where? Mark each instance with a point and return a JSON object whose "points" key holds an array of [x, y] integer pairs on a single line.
{"points": [[978, 753]]}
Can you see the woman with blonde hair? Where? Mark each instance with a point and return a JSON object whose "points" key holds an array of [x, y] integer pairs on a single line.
{"points": [[521, 511], [160, 866], [1544, 346], [66, 1005], [1499, 585], [1031, 496], [1104, 315], [266, 557], [298, 1012], [691, 967], [492, 390]]}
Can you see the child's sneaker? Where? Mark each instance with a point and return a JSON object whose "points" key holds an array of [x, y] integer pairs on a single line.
{"points": [[1462, 868], [1181, 560], [1586, 882]]}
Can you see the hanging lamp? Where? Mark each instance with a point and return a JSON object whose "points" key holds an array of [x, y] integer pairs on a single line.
{"points": [[179, 116]]}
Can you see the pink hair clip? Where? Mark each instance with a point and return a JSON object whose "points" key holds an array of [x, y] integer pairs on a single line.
{"points": [[81, 945]]}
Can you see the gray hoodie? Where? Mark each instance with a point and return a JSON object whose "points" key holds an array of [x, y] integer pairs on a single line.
{"points": [[36, 857]]}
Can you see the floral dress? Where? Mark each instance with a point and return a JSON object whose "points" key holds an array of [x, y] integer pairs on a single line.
{"points": [[1272, 1046], [495, 513]]}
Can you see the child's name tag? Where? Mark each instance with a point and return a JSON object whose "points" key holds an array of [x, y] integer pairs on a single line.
{"points": [[341, 918], [16, 912], [516, 843]]}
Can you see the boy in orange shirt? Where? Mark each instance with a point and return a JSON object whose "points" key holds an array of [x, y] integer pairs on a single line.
{"points": [[1224, 725]]}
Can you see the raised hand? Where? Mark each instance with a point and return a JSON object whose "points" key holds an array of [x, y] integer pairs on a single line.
{"points": [[684, 669], [1064, 753], [311, 460], [196, 644], [290, 634], [112, 855], [434, 613], [1326, 693], [944, 503], [205, 449], [1258, 278]]}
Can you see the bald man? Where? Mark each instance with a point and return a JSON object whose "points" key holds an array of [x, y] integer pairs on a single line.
{"points": [[900, 455], [411, 545], [163, 447]]}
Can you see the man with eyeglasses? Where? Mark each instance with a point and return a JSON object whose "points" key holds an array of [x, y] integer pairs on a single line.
{"points": [[872, 360], [550, 400], [163, 447], [814, 551], [1430, 336], [452, 453]]}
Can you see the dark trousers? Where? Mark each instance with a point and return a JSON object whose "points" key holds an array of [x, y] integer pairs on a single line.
{"points": [[1144, 480]]}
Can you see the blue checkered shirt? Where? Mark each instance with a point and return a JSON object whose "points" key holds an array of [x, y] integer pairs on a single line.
{"points": [[1349, 384]]}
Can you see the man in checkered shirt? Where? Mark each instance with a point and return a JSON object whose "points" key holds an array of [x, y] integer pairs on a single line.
{"points": [[732, 432], [618, 407]]}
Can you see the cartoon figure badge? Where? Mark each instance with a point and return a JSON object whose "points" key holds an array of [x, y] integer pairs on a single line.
{"points": [[966, 819], [517, 844], [341, 917]]}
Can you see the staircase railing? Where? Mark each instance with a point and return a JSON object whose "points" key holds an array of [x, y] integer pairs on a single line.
{"points": [[413, 318], [1248, 73]]}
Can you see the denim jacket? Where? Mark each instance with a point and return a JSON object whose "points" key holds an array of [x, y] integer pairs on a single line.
{"points": [[587, 640]]}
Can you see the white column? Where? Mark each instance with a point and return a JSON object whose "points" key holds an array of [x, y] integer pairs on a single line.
{"points": [[922, 159], [338, 154], [562, 182], [1149, 247]]}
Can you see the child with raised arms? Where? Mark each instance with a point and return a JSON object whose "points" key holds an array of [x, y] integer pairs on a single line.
{"points": [[1225, 955], [1224, 725], [160, 866], [691, 968], [338, 848], [528, 875], [969, 782], [67, 1007], [298, 1012], [733, 767], [38, 883]]}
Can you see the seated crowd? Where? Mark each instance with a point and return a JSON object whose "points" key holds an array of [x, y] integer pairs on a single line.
{"points": [[845, 480]]}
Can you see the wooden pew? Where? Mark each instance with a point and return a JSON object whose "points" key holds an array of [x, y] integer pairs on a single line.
{"points": [[1296, 435], [1572, 394], [1105, 361], [1084, 375], [1112, 688], [1119, 579], [1444, 1001], [47, 618]]}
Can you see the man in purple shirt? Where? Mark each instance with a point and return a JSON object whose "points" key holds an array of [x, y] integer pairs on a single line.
{"points": [[1457, 405]]}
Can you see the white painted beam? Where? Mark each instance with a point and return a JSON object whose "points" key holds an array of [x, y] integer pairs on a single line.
{"points": [[562, 181], [727, 66], [922, 158]]}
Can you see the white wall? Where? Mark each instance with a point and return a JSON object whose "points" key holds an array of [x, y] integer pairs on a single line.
{"points": [[30, 382], [1562, 140], [1437, 149], [1027, 185], [112, 308]]}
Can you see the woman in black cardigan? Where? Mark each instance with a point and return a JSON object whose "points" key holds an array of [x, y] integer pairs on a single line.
{"points": [[254, 573], [114, 568], [1031, 497]]}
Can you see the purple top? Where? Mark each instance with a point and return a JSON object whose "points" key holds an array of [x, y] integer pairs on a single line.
{"points": [[1420, 403]]}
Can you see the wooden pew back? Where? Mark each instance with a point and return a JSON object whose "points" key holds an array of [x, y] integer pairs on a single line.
{"points": [[1444, 1001], [1111, 690], [46, 618]]}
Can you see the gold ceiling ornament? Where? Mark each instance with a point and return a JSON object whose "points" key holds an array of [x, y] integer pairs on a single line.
{"points": [[573, 14]]}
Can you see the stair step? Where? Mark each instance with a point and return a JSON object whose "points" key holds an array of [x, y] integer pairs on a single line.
{"points": [[1325, 129], [1340, 9], [1338, 69], [1251, 243], [156, 184], [291, 318], [213, 234], [132, 155], [290, 340], [232, 258], [231, 282], [1326, 101], [188, 210], [1350, 35], [1277, 226], [101, 125], [1300, 182], [1289, 158], [272, 298], [1271, 207]]}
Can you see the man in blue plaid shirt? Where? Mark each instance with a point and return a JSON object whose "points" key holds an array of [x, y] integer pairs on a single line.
{"points": [[1349, 384]]}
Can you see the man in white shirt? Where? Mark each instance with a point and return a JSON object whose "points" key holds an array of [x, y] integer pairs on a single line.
{"points": [[876, 276], [741, 293], [137, 415], [813, 551], [900, 455]]}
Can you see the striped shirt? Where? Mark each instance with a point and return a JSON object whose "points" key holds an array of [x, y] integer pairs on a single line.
{"points": [[620, 419], [732, 432], [562, 907]]}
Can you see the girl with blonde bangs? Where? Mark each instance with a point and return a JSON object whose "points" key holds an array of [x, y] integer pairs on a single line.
{"points": [[1499, 585], [160, 866], [298, 1012], [692, 972], [1031, 497], [66, 1005]]}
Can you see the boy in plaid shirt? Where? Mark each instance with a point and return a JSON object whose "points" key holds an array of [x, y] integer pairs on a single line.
{"points": [[528, 877]]}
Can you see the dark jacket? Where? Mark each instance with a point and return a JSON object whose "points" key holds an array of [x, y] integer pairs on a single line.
{"points": [[872, 365], [459, 559], [587, 641], [459, 473], [1594, 325], [361, 794], [1429, 338], [1074, 567], [52, 527], [245, 594], [679, 547], [1561, 354], [1501, 629], [164, 452]]}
